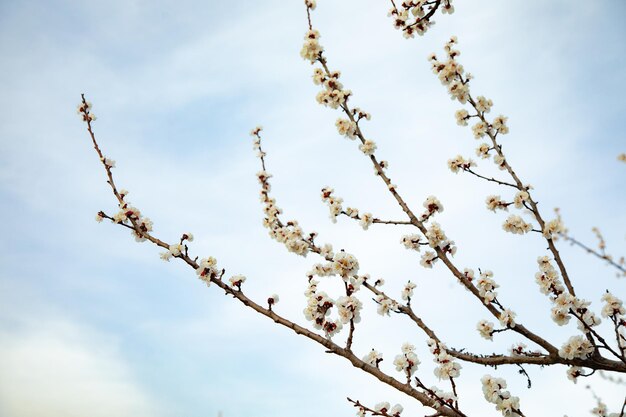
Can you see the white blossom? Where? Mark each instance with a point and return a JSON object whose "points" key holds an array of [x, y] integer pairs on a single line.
{"points": [[207, 268], [552, 228], [459, 163], [499, 123], [385, 305], [500, 162], [483, 104], [494, 202], [486, 286], [573, 372], [432, 206], [237, 280], [346, 128], [461, 117], [349, 308], [368, 147], [411, 242], [435, 235], [273, 299], [576, 347], [382, 407], [480, 129], [520, 198], [407, 291], [407, 361], [311, 48], [483, 151], [507, 318], [373, 358], [446, 367], [428, 258], [396, 410], [366, 220], [493, 390], [515, 224], [345, 264], [613, 306], [485, 328], [331, 327]]}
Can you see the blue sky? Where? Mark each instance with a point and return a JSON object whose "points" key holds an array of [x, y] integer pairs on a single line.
{"points": [[92, 323]]}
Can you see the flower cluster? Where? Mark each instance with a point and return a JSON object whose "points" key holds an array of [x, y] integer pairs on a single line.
{"points": [[319, 304], [480, 129], [573, 372], [500, 162], [483, 151], [368, 147], [207, 269], [366, 220], [130, 216], [412, 242], [486, 286], [613, 307], [507, 318], [548, 277], [494, 202], [428, 259], [236, 281], [346, 128], [553, 228], [385, 305], [485, 328], [349, 308], [333, 95], [311, 49], [442, 397], [519, 349], [437, 239], [318, 309], [384, 408], [256, 144], [601, 410], [516, 225], [432, 206], [345, 264], [407, 291], [407, 361], [452, 75], [413, 16], [447, 367], [493, 389], [333, 202], [564, 304], [290, 234], [576, 347], [458, 163], [84, 110], [373, 358]]}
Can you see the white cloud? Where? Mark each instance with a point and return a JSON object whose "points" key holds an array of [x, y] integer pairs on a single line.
{"points": [[54, 367]]}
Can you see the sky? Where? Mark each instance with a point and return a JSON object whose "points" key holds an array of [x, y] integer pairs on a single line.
{"points": [[93, 323]]}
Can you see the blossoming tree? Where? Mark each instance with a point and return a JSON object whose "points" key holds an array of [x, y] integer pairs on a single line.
{"points": [[334, 319]]}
